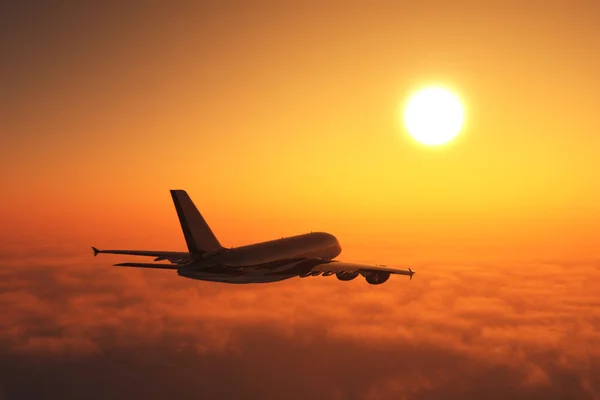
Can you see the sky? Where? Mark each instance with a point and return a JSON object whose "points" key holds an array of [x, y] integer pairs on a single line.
{"points": [[281, 118]]}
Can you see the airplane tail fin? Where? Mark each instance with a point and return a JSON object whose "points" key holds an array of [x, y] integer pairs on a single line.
{"points": [[198, 235]]}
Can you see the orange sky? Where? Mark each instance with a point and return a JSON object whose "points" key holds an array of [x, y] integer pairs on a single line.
{"points": [[288, 115], [281, 118]]}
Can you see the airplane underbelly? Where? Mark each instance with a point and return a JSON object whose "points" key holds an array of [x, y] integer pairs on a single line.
{"points": [[240, 276]]}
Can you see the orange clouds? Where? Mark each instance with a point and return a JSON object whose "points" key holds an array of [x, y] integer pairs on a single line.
{"points": [[527, 331]]}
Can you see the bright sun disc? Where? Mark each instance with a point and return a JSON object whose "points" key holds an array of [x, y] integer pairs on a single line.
{"points": [[433, 116]]}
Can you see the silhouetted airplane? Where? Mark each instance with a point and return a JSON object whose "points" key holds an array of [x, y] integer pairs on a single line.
{"points": [[305, 255]]}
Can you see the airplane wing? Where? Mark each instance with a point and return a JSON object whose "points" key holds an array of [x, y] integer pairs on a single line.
{"points": [[340, 266], [346, 271], [172, 256]]}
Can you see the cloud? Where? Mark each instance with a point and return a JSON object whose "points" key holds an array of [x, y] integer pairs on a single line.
{"points": [[74, 327]]}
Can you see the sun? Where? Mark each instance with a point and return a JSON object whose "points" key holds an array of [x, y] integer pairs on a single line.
{"points": [[433, 116]]}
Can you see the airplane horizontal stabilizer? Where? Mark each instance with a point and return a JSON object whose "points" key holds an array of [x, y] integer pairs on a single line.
{"points": [[147, 265], [163, 255]]}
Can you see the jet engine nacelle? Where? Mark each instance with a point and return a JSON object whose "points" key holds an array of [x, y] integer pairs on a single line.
{"points": [[378, 277], [346, 276]]}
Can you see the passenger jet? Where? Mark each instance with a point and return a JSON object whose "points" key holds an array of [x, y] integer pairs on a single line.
{"points": [[310, 254]]}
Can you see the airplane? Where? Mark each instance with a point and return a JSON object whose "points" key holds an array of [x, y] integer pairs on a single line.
{"points": [[310, 254]]}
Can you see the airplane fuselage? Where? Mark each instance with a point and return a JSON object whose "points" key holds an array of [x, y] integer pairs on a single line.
{"points": [[270, 261]]}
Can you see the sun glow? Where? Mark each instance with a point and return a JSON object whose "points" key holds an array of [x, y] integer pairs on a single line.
{"points": [[433, 116]]}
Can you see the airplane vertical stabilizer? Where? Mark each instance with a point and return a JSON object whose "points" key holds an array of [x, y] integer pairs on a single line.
{"points": [[198, 235]]}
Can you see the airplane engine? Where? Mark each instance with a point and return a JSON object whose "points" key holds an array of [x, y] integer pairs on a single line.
{"points": [[346, 276], [377, 278]]}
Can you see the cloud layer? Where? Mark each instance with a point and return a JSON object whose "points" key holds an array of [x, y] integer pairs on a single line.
{"points": [[74, 327]]}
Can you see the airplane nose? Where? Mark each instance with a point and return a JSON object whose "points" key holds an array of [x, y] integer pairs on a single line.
{"points": [[338, 248]]}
